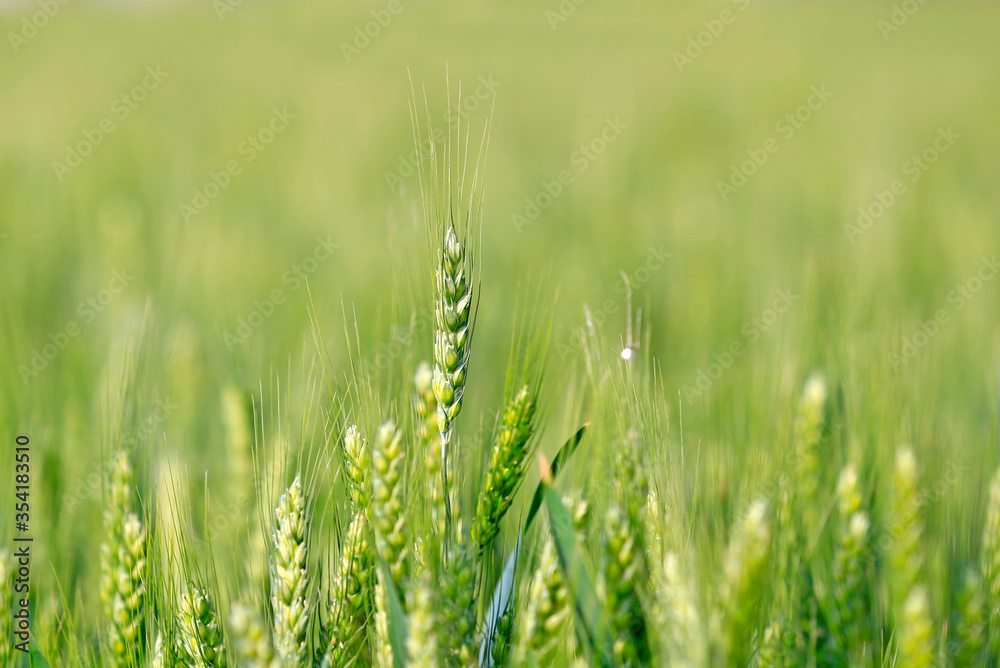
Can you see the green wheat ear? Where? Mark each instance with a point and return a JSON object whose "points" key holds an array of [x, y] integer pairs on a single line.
{"points": [[250, 638], [452, 341], [458, 610], [6, 605], [623, 576], [357, 468], [422, 623], [742, 568], [849, 560], [123, 567], [905, 554], [507, 467], [351, 604], [383, 656], [201, 634], [679, 618], [290, 577], [428, 440], [388, 462]]}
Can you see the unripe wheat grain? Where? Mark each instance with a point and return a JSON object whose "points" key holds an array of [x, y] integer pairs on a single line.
{"points": [[290, 577]]}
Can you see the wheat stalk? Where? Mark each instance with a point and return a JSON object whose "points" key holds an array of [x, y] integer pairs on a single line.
{"points": [[290, 577], [123, 567], [201, 639], [507, 466]]}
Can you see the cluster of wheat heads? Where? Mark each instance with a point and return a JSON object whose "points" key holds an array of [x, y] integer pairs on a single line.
{"points": [[427, 565]]}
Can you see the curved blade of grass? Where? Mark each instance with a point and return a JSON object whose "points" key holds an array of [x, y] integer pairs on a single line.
{"points": [[589, 612], [397, 618], [35, 657], [565, 452], [502, 590]]}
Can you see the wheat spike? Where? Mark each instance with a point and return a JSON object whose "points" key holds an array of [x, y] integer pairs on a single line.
{"points": [[905, 527], [422, 624], [251, 641], [742, 567], [388, 460], [849, 560], [916, 636], [350, 605], [507, 467], [357, 468], [383, 647], [428, 440], [970, 627], [680, 622], [202, 642], [290, 577], [623, 574], [452, 342], [123, 567], [458, 610]]}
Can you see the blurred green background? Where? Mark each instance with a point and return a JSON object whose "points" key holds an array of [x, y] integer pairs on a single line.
{"points": [[330, 174]]}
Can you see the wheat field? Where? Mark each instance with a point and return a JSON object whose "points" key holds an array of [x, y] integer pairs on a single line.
{"points": [[481, 334]]}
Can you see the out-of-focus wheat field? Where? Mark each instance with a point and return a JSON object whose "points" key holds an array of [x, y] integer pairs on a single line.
{"points": [[238, 177]]}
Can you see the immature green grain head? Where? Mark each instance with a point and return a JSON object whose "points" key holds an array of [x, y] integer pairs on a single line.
{"points": [[251, 640], [123, 567], [164, 653], [679, 619], [808, 432], [201, 638], [905, 529], [290, 577], [350, 604], [850, 589], [623, 574], [357, 468], [428, 440], [382, 654], [6, 607], [507, 466], [458, 609], [452, 341], [388, 489], [916, 632], [771, 654], [742, 568], [548, 614], [422, 623], [453, 337]]}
